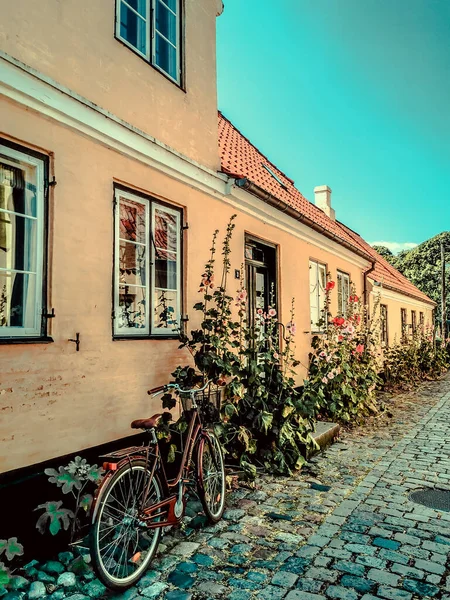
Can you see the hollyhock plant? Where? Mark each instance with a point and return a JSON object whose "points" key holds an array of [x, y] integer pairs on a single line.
{"points": [[343, 370], [338, 321], [330, 286]]}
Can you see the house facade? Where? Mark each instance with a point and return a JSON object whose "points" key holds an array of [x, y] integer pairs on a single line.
{"points": [[115, 169]]}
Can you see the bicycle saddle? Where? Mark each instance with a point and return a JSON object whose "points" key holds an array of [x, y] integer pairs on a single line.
{"points": [[147, 423]]}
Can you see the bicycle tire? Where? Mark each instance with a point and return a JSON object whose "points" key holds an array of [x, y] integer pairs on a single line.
{"points": [[117, 523], [209, 457]]}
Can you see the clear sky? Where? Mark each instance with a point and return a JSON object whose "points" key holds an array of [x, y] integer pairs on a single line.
{"points": [[353, 94]]}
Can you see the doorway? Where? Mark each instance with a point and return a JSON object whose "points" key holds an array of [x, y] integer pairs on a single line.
{"points": [[260, 277]]}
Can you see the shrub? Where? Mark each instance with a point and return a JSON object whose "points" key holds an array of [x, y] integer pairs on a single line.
{"points": [[263, 419], [344, 364]]}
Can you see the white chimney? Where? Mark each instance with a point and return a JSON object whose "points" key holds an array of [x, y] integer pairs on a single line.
{"points": [[322, 199]]}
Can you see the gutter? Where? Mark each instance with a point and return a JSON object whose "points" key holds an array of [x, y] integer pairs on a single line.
{"points": [[430, 302], [268, 198]]}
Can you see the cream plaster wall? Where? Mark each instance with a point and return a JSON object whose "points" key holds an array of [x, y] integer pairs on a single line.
{"points": [[72, 41], [57, 400], [395, 302]]}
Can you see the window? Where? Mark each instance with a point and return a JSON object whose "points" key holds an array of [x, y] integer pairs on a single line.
{"points": [[343, 283], [413, 321], [152, 29], [277, 179], [147, 288], [384, 324], [421, 320], [317, 284], [21, 243], [403, 321]]}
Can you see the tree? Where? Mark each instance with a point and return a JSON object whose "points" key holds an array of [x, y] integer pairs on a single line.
{"points": [[422, 266], [386, 254]]}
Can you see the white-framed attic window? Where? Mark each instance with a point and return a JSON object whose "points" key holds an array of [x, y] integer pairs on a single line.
{"points": [[152, 28]]}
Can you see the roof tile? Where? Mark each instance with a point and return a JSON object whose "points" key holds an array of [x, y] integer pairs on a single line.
{"points": [[241, 159]]}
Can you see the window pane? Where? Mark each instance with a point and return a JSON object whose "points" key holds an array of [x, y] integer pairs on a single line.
{"points": [[166, 230], [17, 300], [131, 310], [165, 312], [165, 270], [17, 192], [133, 28], [132, 221], [17, 242], [166, 56], [166, 22], [172, 4], [132, 263], [138, 5]]}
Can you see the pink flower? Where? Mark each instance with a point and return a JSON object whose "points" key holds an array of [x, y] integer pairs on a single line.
{"points": [[323, 354], [324, 380], [260, 311], [350, 329], [330, 376], [291, 327], [360, 348], [272, 312], [276, 355]]}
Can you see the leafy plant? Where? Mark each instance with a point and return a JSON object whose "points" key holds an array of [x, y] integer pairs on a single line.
{"points": [[55, 516], [264, 421], [344, 364], [10, 548], [73, 479]]}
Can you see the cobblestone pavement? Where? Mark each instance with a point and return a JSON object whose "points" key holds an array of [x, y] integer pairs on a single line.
{"points": [[344, 528]]}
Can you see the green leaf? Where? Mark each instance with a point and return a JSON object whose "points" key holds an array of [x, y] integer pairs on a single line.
{"points": [[171, 454], [266, 419], [4, 575], [64, 479], [54, 516], [86, 502], [11, 548]]}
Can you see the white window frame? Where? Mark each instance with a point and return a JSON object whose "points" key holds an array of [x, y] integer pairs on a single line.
{"points": [[320, 297], [151, 206], [341, 277], [176, 214], [150, 34], [38, 165]]}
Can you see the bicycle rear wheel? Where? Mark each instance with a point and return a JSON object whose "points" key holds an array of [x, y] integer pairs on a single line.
{"points": [[122, 546], [211, 477]]}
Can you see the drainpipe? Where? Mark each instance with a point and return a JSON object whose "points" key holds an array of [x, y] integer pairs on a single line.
{"points": [[268, 198], [365, 295]]}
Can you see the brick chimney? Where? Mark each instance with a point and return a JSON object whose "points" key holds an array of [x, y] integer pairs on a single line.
{"points": [[322, 199]]}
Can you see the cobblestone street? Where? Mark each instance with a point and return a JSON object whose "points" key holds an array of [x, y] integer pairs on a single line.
{"points": [[344, 528]]}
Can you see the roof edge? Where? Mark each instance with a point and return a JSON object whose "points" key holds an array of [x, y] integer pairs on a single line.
{"points": [[254, 189]]}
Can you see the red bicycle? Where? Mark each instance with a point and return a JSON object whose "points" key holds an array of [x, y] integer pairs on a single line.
{"points": [[136, 499]]}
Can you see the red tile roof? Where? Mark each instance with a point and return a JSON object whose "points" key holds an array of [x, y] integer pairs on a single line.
{"points": [[241, 159]]}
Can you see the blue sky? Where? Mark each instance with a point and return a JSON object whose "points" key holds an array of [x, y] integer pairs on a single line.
{"points": [[354, 94]]}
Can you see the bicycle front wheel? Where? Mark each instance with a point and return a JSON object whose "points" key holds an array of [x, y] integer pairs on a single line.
{"points": [[211, 477], [122, 546]]}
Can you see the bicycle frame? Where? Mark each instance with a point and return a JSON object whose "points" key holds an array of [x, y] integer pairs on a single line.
{"points": [[173, 489]]}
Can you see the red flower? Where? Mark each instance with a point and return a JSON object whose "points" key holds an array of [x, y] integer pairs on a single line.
{"points": [[330, 285], [353, 298], [360, 348], [338, 321], [340, 338]]}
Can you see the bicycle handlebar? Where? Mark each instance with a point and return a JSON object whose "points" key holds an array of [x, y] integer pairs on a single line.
{"points": [[157, 390]]}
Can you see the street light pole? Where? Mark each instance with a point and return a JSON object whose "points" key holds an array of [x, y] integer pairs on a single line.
{"points": [[443, 309]]}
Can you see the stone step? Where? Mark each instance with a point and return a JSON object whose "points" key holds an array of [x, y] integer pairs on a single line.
{"points": [[325, 434]]}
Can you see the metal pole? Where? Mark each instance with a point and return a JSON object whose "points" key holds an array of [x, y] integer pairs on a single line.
{"points": [[443, 310]]}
